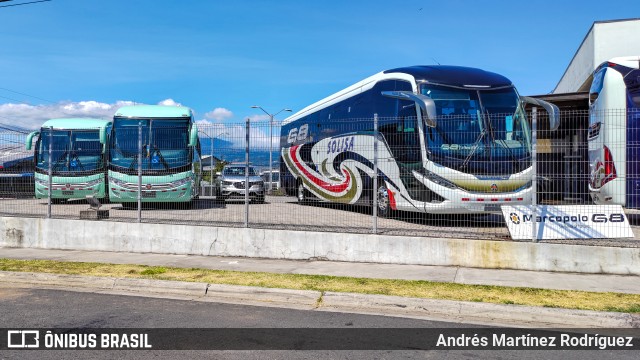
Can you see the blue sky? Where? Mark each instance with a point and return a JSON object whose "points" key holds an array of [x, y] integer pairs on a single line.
{"points": [[90, 56]]}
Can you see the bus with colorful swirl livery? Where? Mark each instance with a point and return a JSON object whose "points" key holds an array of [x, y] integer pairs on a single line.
{"points": [[450, 139]]}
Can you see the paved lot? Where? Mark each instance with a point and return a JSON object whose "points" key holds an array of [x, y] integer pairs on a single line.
{"points": [[284, 213], [290, 328]]}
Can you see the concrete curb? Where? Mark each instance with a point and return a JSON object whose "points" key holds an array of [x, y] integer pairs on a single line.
{"points": [[300, 299], [477, 312], [443, 310]]}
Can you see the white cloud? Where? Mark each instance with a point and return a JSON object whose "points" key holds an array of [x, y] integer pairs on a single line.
{"points": [[219, 114], [32, 116], [169, 102], [259, 117]]}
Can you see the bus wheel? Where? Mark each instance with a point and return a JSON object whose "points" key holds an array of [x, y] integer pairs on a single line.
{"points": [[189, 204], [302, 194], [384, 206], [129, 205]]}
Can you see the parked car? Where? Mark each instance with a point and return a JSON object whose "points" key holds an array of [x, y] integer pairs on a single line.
{"points": [[232, 179], [275, 179]]}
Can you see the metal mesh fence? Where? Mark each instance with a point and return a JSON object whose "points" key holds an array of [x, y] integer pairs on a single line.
{"points": [[392, 176]]}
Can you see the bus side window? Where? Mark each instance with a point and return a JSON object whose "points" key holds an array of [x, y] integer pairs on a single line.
{"points": [[596, 85]]}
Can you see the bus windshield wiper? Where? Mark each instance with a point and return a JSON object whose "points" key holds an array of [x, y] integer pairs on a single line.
{"points": [[135, 158], [473, 149], [74, 156], [58, 162], [157, 151], [503, 143]]}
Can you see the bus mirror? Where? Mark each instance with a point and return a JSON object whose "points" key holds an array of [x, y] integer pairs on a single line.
{"points": [[193, 135], [552, 110], [103, 135], [29, 141], [426, 104]]}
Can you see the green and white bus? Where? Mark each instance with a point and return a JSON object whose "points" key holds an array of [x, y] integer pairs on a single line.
{"points": [[77, 161], [167, 137]]}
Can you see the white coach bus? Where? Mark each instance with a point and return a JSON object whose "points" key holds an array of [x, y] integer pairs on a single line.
{"points": [[614, 133], [450, 140]]}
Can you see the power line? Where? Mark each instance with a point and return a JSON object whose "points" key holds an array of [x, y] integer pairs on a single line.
{"points": [[14, 130], [32, 96], [13, 142], [13, 127], [27, 3], [12, 99]]}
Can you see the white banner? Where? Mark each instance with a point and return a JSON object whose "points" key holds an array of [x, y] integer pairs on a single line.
{"points": [[567, 222]]}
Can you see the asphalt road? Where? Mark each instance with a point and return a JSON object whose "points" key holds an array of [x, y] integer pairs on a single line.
{"points": [[37, 308], [283, 212]]}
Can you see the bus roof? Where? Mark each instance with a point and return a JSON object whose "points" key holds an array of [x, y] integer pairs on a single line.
{"points": [[76, 123], [436, 74], [454, 75], [632, 62], [154, 111]]}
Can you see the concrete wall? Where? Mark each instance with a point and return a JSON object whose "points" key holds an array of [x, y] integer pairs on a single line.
{"points": [[283, 244]]}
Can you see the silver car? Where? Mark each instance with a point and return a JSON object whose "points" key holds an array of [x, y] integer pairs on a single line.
{"points": [[232, 183]]}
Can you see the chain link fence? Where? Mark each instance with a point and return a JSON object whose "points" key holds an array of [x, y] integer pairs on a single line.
{"points": [[371, 175]]}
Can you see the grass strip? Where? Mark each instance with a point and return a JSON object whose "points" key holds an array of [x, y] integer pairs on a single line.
{"points": [[567, 299]]}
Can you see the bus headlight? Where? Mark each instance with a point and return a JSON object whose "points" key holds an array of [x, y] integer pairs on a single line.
{"points": [[94, 182], [42, 182], [526, 186], [438, 179], [117, 182], [180, 182]]}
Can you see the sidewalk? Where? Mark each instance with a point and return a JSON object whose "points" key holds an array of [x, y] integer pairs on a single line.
{"points": [[544, 280]]}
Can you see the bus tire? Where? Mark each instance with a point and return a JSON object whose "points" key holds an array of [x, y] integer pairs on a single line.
{"points": [[302, 194], [384, 206], [129, 205], [188, 204]]}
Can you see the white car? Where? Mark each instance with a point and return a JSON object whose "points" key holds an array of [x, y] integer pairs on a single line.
{"points": [[232, 183]]}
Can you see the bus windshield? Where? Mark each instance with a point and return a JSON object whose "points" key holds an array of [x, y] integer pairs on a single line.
{"points": [[71, 150], [478, 131], [164, 144]]}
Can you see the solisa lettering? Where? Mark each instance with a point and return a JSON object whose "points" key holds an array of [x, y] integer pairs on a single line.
{"points": [[340, 145]]}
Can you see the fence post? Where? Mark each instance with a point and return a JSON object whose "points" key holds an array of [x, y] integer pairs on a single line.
{"points": [[246, 175], [50, 172], [534, 172], [375, 173], [140, 171]]}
